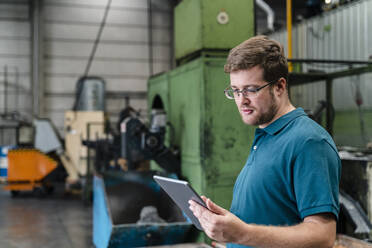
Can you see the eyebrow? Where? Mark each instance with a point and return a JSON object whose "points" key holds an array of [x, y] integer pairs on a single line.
{"points": [[244, 86]]}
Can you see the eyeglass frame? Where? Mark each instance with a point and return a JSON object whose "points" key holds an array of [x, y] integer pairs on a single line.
{"points": [[246, 90]]}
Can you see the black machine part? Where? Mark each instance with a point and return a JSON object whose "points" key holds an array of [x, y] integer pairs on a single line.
{"points": [[139, 143], [355, 214]]}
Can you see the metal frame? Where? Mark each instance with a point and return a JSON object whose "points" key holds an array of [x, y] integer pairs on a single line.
{"points": [[299, 78]]}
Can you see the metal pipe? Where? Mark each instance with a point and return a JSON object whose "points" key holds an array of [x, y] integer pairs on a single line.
{"points": [[289, 33], [331, 61], [270, 13], [5, 89], [149, 20], [16, 88], [37, 70]]}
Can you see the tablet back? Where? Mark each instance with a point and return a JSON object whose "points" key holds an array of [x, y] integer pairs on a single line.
{"points": [[181, 192]]}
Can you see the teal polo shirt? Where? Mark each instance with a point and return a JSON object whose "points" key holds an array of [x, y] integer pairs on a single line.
{"points": [[293, 171]]}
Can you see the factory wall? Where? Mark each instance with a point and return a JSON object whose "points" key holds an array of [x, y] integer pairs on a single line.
{"points": [[122, 57], [15, 57], [341, 34]]}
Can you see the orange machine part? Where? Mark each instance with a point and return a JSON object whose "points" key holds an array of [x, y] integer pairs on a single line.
{"points": [[28, 165]]}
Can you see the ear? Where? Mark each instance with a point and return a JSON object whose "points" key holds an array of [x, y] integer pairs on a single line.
{"points": [[281, 86]]}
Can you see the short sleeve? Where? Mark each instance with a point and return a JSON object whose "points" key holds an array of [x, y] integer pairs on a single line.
{"points": [[316, 177]]}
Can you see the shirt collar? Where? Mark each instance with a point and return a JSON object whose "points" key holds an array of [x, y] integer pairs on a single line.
{"points": [[280, 123]]}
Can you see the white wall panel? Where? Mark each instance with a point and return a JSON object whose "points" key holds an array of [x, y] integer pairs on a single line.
{"points": [[130, 68], [117, 105], [12, 11], [15, 56], [60, 103], [14, 29], [67, 84], [23, 81], [22, 63], [110, 33], [14, 46], [94, 16], [142, 4], [113, 51]]}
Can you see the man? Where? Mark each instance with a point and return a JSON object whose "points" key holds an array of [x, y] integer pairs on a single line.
{"points": [[287, 193]]}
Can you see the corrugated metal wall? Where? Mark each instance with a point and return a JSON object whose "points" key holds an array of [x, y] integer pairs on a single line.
{"points": [[15, 57], [342, 34], [122, 57]]}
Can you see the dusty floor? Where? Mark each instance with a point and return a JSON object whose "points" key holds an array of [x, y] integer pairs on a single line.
{"points": [[58, 220]]}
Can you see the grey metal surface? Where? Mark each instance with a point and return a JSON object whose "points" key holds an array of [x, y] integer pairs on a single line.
{"points": [[356, 213], [55, 221], [46, 139], [342, 34], [92, 94]]}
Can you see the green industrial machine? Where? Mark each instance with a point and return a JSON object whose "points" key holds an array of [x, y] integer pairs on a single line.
{"points": [[214, 143], [217, 25]]}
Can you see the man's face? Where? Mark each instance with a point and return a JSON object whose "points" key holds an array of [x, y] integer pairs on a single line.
{"points": [[259, 109]]}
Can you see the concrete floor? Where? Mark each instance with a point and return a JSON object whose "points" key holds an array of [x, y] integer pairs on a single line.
{"points": [[57, 220], [54, 221]]}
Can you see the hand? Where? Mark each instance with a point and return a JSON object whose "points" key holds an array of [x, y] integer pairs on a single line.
{"points": [[218, 223]]}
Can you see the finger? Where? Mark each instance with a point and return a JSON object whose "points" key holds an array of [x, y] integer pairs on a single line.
{"points": [[196, 208], [215, 208]]}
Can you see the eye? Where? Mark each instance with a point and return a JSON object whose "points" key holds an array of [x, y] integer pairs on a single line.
{"points": [[250, 89]]}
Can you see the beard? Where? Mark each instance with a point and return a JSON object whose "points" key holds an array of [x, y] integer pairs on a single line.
{"points": [[269, 115]]}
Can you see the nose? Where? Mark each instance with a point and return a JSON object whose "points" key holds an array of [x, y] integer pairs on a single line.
{"points": [[242, 100]]}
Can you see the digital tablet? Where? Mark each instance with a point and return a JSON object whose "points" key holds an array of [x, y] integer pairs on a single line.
{"points": [[181, 192]]}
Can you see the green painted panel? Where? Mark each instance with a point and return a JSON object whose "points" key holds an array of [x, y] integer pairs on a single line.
{"points": [[240, 26], [185, 101], [187, 27], [196, 25], [226, 138]]}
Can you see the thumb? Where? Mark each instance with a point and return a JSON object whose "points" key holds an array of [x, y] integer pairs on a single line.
{"points": [[215, 208]]}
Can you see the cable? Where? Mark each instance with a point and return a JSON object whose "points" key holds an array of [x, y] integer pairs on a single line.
{"points": [[97, 38]]}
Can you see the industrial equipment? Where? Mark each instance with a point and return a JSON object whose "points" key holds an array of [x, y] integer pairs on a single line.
{"points": [[211, 25], [353, 213], [47, 140], [90, 94], [119, 199], [140, 143], [27, 170], [79, 126], [123, 185]]}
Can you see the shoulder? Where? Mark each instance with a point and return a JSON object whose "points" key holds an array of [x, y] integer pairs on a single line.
{"points": [[306, 133]]}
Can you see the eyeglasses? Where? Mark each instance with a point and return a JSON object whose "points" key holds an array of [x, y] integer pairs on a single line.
{"points": [[231, 93]]}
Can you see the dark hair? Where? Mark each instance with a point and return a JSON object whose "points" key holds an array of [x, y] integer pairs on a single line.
{"points": [[261, 51]]}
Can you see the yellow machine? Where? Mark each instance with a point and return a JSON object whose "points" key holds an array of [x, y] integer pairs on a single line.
{"points": [[26, 170], [79, 126]]}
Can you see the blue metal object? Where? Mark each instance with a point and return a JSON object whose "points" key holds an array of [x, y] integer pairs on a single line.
{"points": [[108, 233], [4, 161]]}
